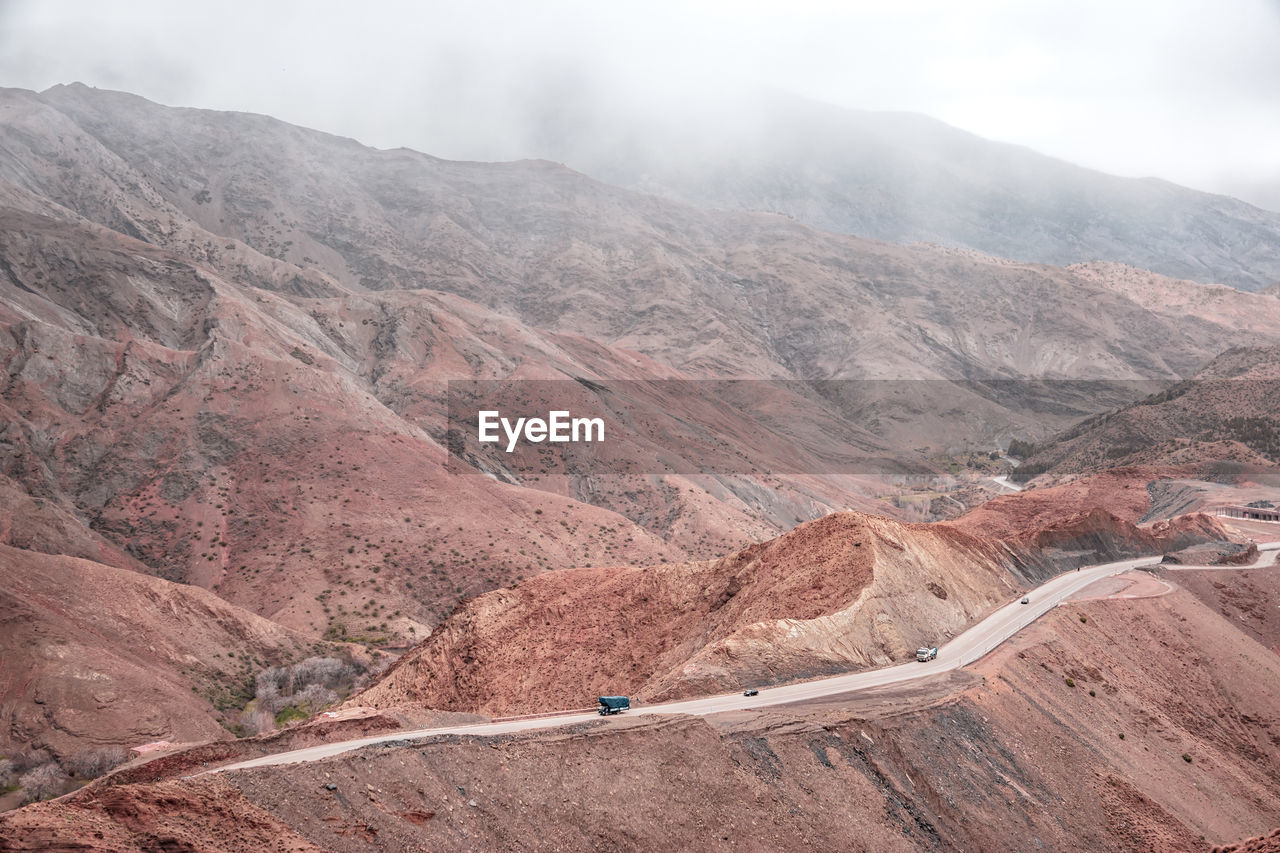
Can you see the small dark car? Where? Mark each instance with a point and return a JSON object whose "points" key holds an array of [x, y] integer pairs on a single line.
{"points": [[751, 692]]}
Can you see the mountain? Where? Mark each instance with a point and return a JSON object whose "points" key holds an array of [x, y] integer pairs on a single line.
{"points": [[1228, 413], [161, 419], [707, 294], [235, 298], [228, 343], [228, 347], [904, 178], [845, 592], [1022, 750]]}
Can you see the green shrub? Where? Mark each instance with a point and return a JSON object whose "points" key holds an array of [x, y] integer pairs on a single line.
{"points": [[288, 714], [1071, 682]]}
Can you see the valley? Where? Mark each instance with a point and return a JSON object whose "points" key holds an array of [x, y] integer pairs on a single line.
{"points": [[250, 520]]}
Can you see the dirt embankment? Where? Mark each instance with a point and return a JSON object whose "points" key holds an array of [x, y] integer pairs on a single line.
{"points": [[1269, 843], [208, 816], [1149, 725], [1091, 520], [1247, 599], [833, 595], [1163, 695], [845, 592]]}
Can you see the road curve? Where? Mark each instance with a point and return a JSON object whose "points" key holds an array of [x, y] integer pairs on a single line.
{"points": [[964, 649], [1004, 481]]}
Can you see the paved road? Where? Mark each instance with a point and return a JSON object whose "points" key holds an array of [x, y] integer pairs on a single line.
{"points": [[964, 649], [1003, 480]]}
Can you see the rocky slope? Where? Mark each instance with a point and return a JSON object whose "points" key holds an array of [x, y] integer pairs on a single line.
{"points": [[715, 294], [95, 655], [833, 594], [213, 436], [845, 592], [1226, 413], [227, 343], [289, 266], [1005, 756], [276, 346]]}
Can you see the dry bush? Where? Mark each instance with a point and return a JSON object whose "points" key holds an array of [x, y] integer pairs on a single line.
{"points": [[376, 668], [313, 697], [325, 671], [260, 722], [311, 682], [92, 763], [273, 680], [25, 759], [8, 773], [44, 781]]}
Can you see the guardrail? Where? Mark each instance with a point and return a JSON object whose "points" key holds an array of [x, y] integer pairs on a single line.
{"points": [[965, 660]]}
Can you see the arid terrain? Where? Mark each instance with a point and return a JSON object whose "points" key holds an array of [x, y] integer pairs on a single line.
{"points": [[843, 593], [231, 495], [1227, 415], [1119, 724]]}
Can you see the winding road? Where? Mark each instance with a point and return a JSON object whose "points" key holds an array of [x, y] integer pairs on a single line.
{"points": [[973, 644]]}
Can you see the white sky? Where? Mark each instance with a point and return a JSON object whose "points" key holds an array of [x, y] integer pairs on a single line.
{"points": [[1184, 89]]}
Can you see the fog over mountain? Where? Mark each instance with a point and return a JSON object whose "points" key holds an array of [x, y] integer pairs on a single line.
{"points": [[900, 327], [1183, 91], [907, 178]]}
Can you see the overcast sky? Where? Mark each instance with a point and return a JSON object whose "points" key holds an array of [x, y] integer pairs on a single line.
{"points": [[1180, 89]]}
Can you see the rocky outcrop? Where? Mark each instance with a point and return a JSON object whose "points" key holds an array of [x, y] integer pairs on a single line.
{"points": [[1072, 738], [846, 592]]}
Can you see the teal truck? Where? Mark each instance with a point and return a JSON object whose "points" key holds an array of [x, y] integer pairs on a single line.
{"points": [[613, 705]]}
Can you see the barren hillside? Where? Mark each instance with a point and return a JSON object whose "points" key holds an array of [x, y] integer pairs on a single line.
{"points": [[1164, 738], [95, 655], [227, 344], [849, 591], [1228, 413]]}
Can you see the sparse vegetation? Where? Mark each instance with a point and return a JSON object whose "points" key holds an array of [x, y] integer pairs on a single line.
{"points": [[1257, 433], [1020, 449], [42, 781], [284, 694], [289, 714], [1186, 758], [1071, 682], [92, 763]]}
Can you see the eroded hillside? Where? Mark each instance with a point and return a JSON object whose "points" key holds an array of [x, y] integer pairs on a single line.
{"points": [[846, 592], [1010, 754]]}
